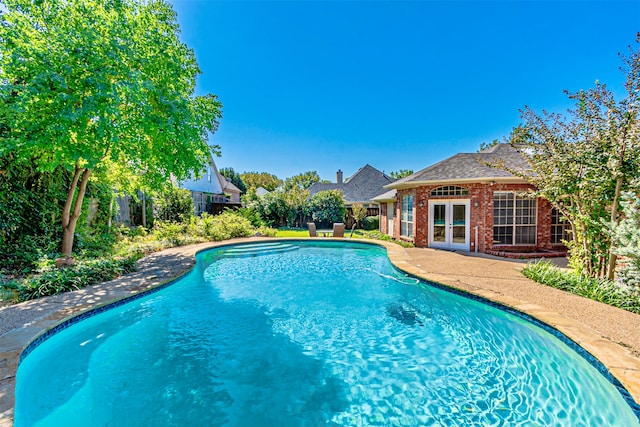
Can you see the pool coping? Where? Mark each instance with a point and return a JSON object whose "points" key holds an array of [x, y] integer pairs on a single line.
{"points": [[162, 268]]}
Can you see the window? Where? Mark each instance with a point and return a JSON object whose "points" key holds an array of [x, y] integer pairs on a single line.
{"points": [[406, 216], [514, 219], [559, 227], [449, 190]]}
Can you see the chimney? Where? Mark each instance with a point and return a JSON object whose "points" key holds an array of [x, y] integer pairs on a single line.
{"points": [[339, 176]]}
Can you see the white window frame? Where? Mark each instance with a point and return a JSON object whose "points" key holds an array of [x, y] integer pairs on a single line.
{"points": [[559, 228], [515, 218], [406, 216]]}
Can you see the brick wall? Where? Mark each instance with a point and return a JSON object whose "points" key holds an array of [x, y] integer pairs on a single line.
{"points": [[480, 211], [383, 218]]}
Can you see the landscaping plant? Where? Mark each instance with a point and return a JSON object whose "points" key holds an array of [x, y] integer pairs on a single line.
{"points": [[100, 85], [583, 161]]}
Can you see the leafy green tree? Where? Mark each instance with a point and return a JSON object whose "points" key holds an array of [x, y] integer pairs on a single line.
{"points": [[327, 207], [275, 208], [582, 162], [301, 181], [359, 213], [626, 237], [234, 177], [261, 179], [92, 83], [29, 211], [296, 199], [173, 204], [400, 173]]}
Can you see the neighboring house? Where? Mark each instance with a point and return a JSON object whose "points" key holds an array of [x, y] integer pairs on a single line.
{"points": [[212, 192], [464, 203], [361, 187], [260, 191]]}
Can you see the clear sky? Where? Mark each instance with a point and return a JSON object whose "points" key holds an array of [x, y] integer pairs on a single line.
{"points": [[328, 85]]}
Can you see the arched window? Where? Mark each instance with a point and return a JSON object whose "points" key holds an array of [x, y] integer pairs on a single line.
{"points": [[449, 190]]}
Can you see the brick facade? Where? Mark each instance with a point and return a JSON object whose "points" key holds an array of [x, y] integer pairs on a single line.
{"points": [[480, 197]]}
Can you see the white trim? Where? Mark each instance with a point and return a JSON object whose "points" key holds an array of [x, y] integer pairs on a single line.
{"points": [[448, 243], [390, 218], [515, 225], [440, 182]]}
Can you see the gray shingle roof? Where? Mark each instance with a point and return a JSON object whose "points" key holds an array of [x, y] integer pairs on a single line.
{"points": [[468, 166], [389, 195], [362, 186]]}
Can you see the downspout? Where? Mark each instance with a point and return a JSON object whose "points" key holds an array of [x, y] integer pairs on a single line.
{"points": [[476, 229]]}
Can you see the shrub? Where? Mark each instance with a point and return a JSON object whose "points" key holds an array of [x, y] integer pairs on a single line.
{"points": [[607, 292], [327, 207], [84, 273], [251, 214], [173, 204], [380, 236], [268, 231], [371, 223], [229, 225], [626, 236]]}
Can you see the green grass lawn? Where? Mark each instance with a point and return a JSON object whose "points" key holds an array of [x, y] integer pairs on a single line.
{"points": [[292, 232]]}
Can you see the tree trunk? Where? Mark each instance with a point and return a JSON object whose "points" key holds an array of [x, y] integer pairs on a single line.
{"points": [[144, 210], [109, 222], [611, 269], [72, 209]]}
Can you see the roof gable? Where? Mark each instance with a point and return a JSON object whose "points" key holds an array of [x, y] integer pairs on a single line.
{"points": [[210, 182], [362, 186]]}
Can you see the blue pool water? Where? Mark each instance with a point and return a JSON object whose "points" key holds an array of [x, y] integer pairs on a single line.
{"points": [[309, 334]]}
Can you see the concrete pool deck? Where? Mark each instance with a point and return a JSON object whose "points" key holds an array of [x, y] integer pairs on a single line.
{"points": [[610, 334]]}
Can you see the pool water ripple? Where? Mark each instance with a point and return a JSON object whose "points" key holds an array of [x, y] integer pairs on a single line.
{"points": [[304, 335]]}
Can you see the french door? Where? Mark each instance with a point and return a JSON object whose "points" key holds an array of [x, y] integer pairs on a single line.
{"points": [[449, 224]]}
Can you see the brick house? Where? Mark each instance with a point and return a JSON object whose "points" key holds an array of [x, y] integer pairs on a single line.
{"points": [[464, 203]]}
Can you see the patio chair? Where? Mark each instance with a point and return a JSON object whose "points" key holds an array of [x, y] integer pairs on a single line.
{"points": [[338, 229], [312, 229]]}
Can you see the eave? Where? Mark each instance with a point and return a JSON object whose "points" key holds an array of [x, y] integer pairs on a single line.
{"points": [[458, 181]]}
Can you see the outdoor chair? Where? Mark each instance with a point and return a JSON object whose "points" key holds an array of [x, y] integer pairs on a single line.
{"points": [[338, 229], [312, 229]]}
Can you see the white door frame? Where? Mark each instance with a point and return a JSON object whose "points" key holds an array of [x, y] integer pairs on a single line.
{"points": [[390, 215], [448, 243]]}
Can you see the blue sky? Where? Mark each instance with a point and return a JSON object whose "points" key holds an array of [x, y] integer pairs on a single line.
{"points": [[328, 85]]}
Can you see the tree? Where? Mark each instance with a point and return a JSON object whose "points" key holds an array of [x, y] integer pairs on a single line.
{"points": [[584, 161], [327, 206], [301, 181], [359, 213], [626, 235], [275, 208], [173, 204], [261, 179], [401, 173], [234, 177], [296, 199], [101, 82]]}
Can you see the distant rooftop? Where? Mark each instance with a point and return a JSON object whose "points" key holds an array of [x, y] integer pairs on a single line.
{"points": [[361, 187]]}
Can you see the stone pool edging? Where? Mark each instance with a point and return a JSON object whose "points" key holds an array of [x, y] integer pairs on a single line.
{"points": [[162, 268]]}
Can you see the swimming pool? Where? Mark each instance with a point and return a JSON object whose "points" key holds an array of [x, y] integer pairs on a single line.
{"points": [[309, 333]]}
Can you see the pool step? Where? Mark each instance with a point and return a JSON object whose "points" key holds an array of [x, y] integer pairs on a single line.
{"points": [[259, 249]]}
